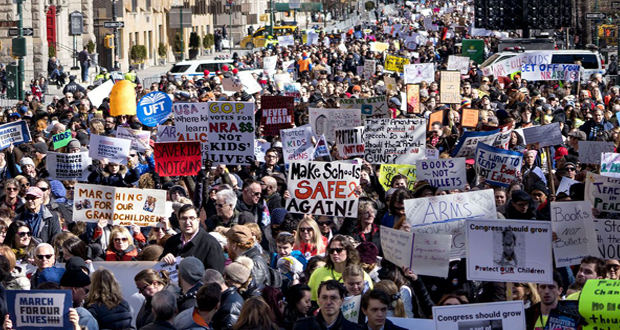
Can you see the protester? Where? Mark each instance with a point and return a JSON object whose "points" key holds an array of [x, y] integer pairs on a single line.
{"points": [[375, 305], [330, 298]]}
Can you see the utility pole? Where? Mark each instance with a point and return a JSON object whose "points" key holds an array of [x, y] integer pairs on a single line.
{"points": [[230, 38], [115, 63], [181, 27], [271, 15], [21, 70]]}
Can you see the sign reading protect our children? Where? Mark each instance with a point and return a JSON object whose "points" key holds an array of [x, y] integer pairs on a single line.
{"points": [[39, 309], [154, 108]]}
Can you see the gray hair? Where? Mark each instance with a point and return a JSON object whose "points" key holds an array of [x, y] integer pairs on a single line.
{"points": [[229, 197], [213, 276], [42, 245], [164, 305]]}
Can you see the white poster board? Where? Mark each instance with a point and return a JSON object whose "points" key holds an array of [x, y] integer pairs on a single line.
{"points": [[576, 239], [505, 315], [445, 173], [478, 204]]}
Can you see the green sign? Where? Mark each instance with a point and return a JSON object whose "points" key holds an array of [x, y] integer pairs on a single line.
{"points": [[474, 49], [61, 139]]}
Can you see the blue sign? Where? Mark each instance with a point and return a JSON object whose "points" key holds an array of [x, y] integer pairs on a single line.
{"points": [[39, 309], [14, 133], [154, 108]]}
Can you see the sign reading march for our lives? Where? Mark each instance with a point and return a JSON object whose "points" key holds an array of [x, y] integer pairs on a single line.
{"points": [[538, 72], [498, 166], [63, 166], [231, 133], [445, 174], [394, 141], [610, 164], [154, 108], [504, 315], [297, 143], [61, 139], [468, 142], [603, 192], [350, 141], [478, 204], [14, 133], [120, 206], [509, 251], [576, 237], [323, 188], [39, 309], [114, 150], [326, 121], [598, 304], [139, 139], [178, 158]]}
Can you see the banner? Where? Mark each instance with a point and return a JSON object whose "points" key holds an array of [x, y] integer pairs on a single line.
{"points": [[543, 136], [113, 150], [602, 192], [166, 133], [323, 188], [509, 251], [370, 106], [14, 133], [590, 151], [576, 237], [395, 63], [154, 108], [178, 158], [598, 304], [68, 166], [39, 309], [379, 46], [248, 82], [610, 164], [504, 315], [297, 143], [413, 98], [120, 206], [350, 141], [467, 143], [277, 113], [269, 65], [478, 204], [445, 173], [450, 87], [326, 121], [423, 254], [394, 141], [139, 139], [61, 139], [231, 133], [498, 166], [370, 67], [294, 90], [458, 63], [514, 64], [388, 171], [417, 73], [456, 228], [539, 72]]}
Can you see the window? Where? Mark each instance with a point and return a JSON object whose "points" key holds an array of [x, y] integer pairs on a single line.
{"points": [[212, 67], [588, 61], [179, 68]]}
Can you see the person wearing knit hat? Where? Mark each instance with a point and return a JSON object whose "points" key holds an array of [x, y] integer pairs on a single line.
{"points": [[241, 242], [26, 161], [239, 271], [177, 191], [76, 280], [74, 146], [191, 270], [521, 206]]}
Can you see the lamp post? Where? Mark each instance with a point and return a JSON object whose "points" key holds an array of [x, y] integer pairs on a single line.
{"points": [[116, 64], [181, 4]]}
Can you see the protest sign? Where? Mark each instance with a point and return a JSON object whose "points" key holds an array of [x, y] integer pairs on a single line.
{"points": [[14, 133], [249, 84], [590, 151], [113, 150], [608, 238], [360, 70], [260, 148], [191, 122], [390, 83], [435, 117], [394, 141], [281, 79], [350, 141], [445, 174], [312, 39], [323, 188], [120, 206], [432, 154], [514, 64], [231, 132], [166, 133], [277, 114], [63, 166], [321, 149], [610, 164], [565, 185], [498, 166], [478, 204], [370, 106], [458, 63], [423, 253], [395, 63], [39, 309], [575, 240], [470, 117], [351, 308], [379, 46], [294, 90], [417, 73], [139, 139], [269, 64], [602, 192], [504, 315], [413, 98], [326, 121], [598, 304], [408, 323], [97, 95], [456, 228], [172, 269], [467, 143], [538, 72], [178, 158], [297, 143], [370, 67], [543, 136], [509, 251], [61, 139], [285, 41], [154, 108], [388, 171], [450, 87]]}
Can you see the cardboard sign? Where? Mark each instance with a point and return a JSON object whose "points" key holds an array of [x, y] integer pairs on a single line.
{"points": [[269, 65], [598, 304], [505, 315], [450, 87], [590, 151], [39, 309], [610, 164], [602, 192], [351, 308], [139, 139], [470, 118], [417, 73], [350, 141], [543, 136], [277, 113], [424, 254], [575, 240], [166, 133], [154, 108], [445, 174], [388, 171], [192, 124], [478, 204], [231, 132], [458, 63], [294, 90], [456, 228], [379, 46], [99, 93], [14, 133], [608, 237], [249, 83], [323, 188], [509, 251], [297, 143], [468, 142], [498, 166], [113, 150], [539, 72], [370, 67], [120, 206], [408, 323], [435, 117], [395, 63], [260, 149], [369, 106], [326, 121], [68, 166], [286, 41], [61, 139], [413, 98], [394, 141], [178, 158], [390, 83]]}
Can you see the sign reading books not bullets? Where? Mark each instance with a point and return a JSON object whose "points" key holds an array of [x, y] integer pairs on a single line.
{"points": [[509, 251]]}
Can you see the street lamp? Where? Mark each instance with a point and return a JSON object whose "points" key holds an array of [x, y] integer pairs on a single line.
{"points": [[181, 4]]}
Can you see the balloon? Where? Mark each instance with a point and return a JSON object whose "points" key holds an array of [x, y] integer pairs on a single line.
{"points": [[235, 71], [225, 67], [123, 99]]}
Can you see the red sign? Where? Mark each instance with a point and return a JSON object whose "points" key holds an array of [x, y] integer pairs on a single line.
{"points": [[277, 113], [8, 24], [178, 158]]}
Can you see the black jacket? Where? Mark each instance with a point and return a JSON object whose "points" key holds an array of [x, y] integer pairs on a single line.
{"points": [[117, 318], [318, 323], [49, 227], [204, 247], [188, 299], [159, 325], [390, 326], [260, 271], [230, 309], [145, 315]]}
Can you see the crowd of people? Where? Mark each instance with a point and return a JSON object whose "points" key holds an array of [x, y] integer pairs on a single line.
{"points": [[245, 261]]}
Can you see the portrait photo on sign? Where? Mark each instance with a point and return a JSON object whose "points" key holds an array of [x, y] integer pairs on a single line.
{"points": [[508, 247], [149, 204], [484, 324]]}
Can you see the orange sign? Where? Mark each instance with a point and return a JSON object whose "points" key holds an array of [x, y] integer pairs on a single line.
{"points": [[436, 116], [470, 117]]}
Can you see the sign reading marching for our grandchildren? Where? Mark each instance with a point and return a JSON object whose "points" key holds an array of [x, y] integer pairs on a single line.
{"points": [[39, 309], [63, 166], [445, 174], [178, 158], [231, 132], [114, 150], [323, 188], [394, 141], [14, 133], [498, 166]]}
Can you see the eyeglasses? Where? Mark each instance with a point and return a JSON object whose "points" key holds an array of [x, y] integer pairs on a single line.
{"points": [[134, 155], [324, 223], [337, 250], [24, 233], [157, 229], [219, 205], [120, 239], [188, 218], [12, 189], [399, 208], [44, 188], [522, 204], [305, 229], [571, 169], [46, 256]]}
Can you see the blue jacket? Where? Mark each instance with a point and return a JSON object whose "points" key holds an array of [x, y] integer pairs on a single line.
{"points": [[296, 254], [117, 318], [149, 167]]}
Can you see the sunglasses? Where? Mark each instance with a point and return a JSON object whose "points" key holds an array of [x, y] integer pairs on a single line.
{"points": [[70, 188], [122, 239], [143, 288], [46, 256], [256, 194], [25, 185], [44, 189], [86, 290], [612, 266], [134, 155], [157, 229], [24, 233], [399, 208], [337, 250], [324, 223], [12, 189], [305, 229]]}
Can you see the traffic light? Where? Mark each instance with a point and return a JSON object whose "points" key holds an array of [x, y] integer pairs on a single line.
{"points": [[108, 41]]}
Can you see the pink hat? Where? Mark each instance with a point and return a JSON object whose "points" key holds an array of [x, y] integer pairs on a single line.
{"points": [[35, 191]]}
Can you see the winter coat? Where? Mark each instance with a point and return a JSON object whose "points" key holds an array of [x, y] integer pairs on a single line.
{"points": [[260, 271], [230, 309], [121, 179], [203, 246], [117, 318]]}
